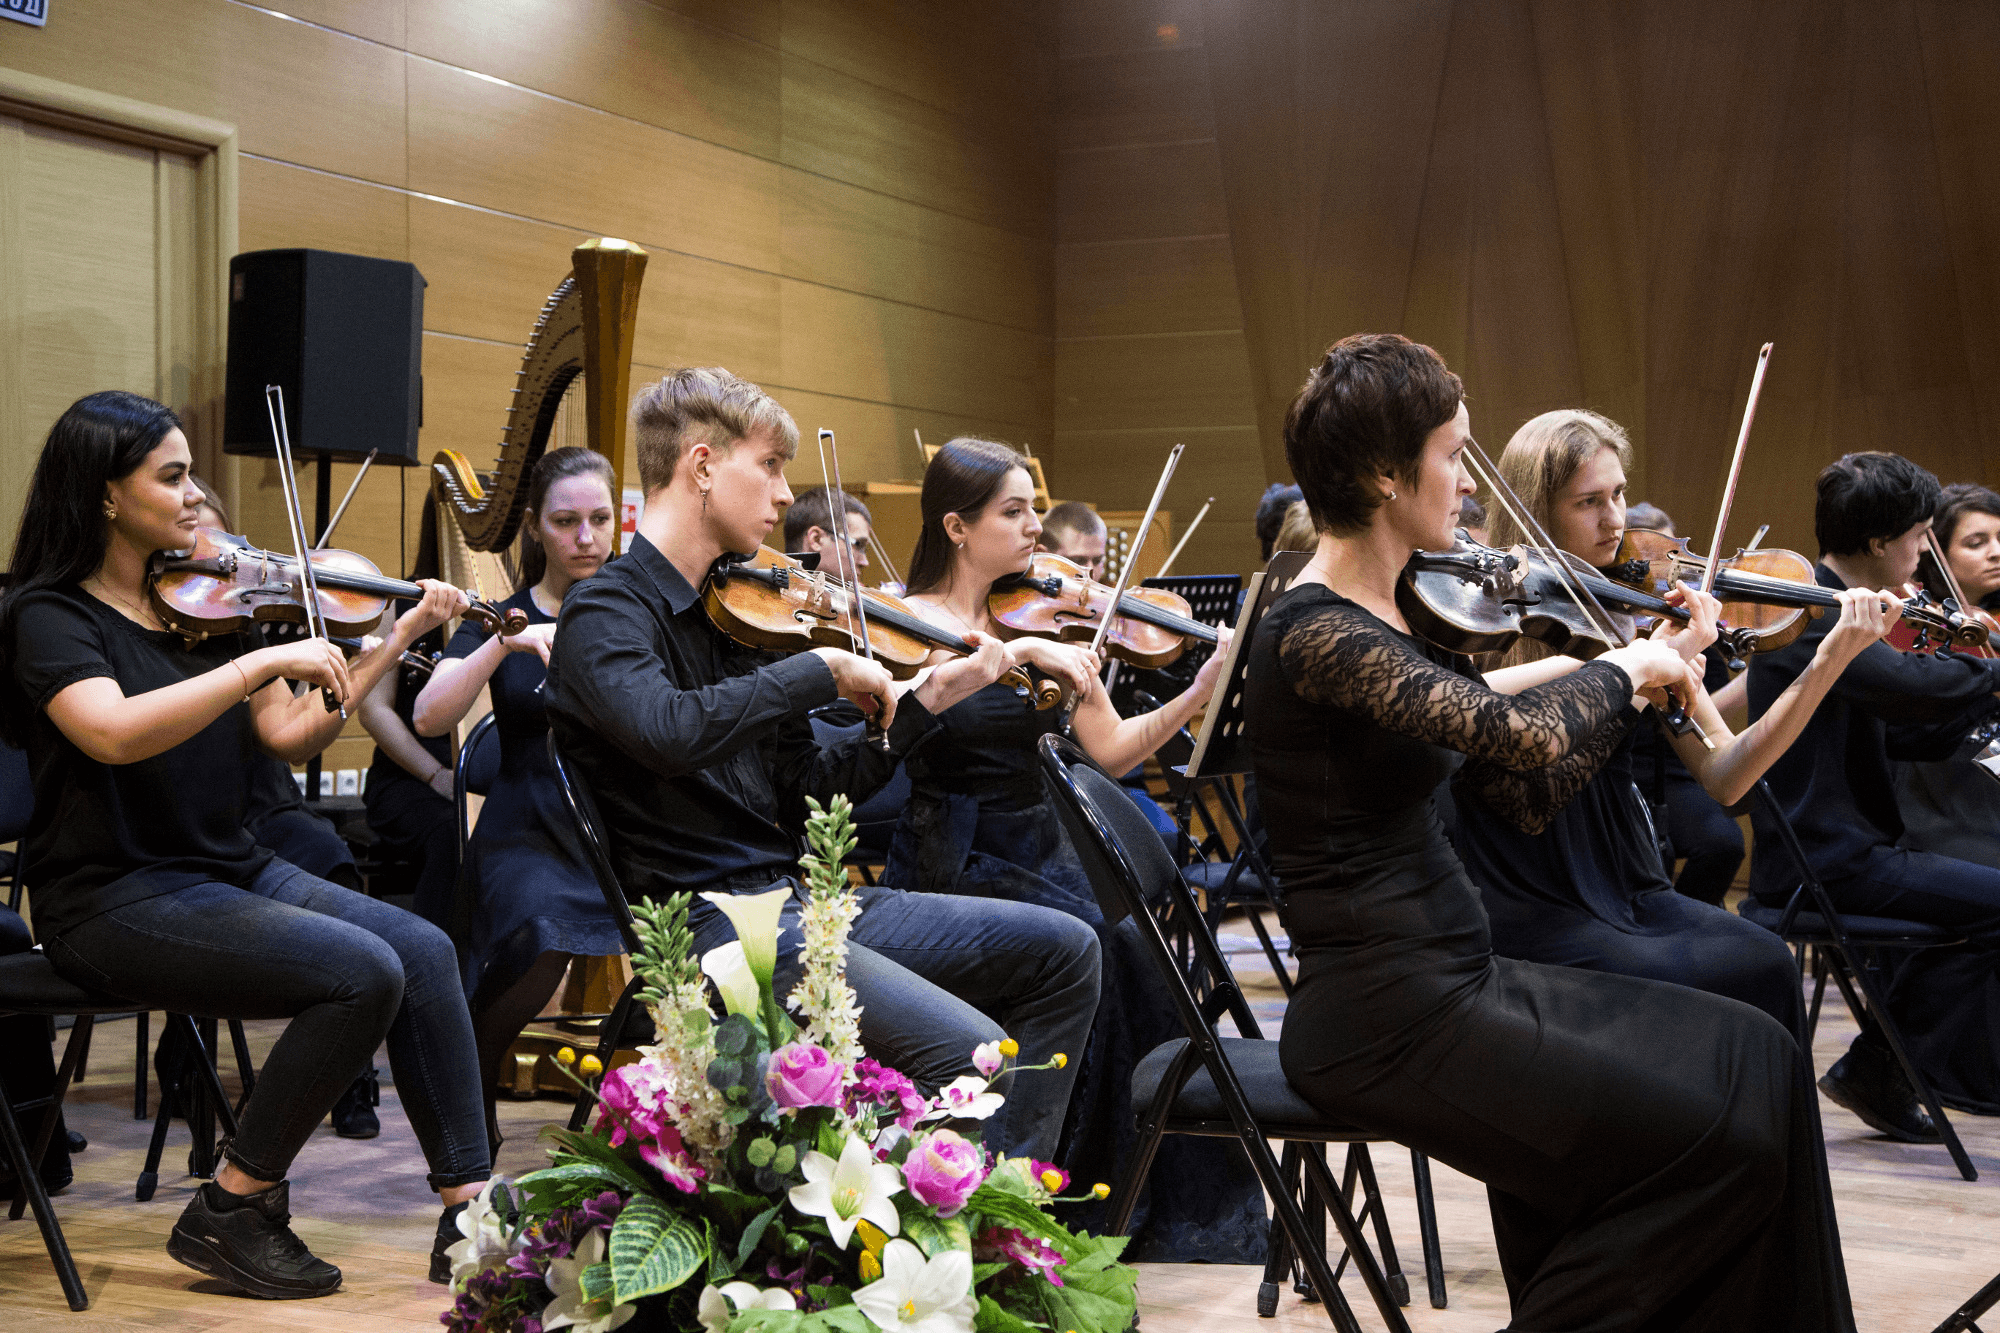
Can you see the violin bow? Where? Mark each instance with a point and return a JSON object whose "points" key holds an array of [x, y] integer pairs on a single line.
{"points": [[1735, 470], [845, 568], [1131, 563], [281, 437], [1193, 523]]}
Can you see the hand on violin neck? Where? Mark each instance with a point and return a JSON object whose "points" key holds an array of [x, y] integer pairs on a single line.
{"points": [[863, 683], [1072, 664], [1866, 616], [440, 603], [962, 677], [1692, 639]]}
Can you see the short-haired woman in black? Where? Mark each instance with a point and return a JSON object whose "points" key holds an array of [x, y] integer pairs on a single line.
{"points": [[145, 882], [1652, 1154]]}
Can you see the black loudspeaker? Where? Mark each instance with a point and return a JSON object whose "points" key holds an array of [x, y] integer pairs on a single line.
{"points": [[343, 336]]}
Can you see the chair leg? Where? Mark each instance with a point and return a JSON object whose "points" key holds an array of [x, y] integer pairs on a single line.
{"points": [[1399, 1284], [1313, 1258], [1869, 1010], [607, 1044], [79, 1041], [1322, 1181], [1819, 995], [1278, 1248], [1427, 1228], [144, 1022], [29, 1177]]}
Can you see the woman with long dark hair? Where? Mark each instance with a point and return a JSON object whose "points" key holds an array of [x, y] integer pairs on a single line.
{"points": [[145, 882], [1651, 1153], [978, 822], [528, 900]]}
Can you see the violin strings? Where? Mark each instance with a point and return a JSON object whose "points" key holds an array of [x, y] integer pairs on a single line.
{"points": [[1502, 492]]}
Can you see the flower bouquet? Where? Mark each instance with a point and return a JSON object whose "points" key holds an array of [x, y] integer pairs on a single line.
{"points": [[760, 1175]]}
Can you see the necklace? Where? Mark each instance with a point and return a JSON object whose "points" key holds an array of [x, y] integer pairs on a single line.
{"points": [[139, 613], [963, 623]]}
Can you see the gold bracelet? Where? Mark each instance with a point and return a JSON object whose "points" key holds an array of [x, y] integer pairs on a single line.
{"points": [[247, 691]]}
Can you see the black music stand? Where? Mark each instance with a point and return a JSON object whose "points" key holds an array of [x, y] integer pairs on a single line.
{"points": [[1963, 1318], [1212, 599]]}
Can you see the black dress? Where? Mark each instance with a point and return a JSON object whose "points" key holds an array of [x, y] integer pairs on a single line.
{"points": [[978, 822], [1652, 1154], [531, 886], [1588, 891], [406, 812]]}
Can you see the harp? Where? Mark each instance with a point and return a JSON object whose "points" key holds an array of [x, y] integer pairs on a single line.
{"points": [[586, 329]]}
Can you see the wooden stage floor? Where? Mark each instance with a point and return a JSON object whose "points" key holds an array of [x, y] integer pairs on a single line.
{"points": [[1918, 1240]]}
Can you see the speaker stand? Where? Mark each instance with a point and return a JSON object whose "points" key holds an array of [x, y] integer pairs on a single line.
{"points": [[322, 507]]}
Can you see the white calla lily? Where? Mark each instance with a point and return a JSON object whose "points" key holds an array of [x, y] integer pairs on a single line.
{"points": [[730, 971], [485, 1244], [570, 1308], [718, 1305], [755, 916], [852, 1189], [919, 1295]]}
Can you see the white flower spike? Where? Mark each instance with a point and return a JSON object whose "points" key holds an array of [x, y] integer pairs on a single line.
{"points": [[569, 1309], [850, 1190], [485, 1244], [918, 1295]]}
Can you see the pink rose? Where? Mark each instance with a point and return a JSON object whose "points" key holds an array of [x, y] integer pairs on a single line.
{"points": [[802, 1074], [943, 1170]]}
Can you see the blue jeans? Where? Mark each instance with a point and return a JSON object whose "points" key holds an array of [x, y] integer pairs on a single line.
{"points": [[936, 975], [347, 971]]}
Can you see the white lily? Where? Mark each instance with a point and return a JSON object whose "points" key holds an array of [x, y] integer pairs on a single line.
{"points": [[730, 971], [854, 1188], [570, 1309], [485, 1244], [718, 1305], [755, 916], [966, 1098], [919, 1295]]}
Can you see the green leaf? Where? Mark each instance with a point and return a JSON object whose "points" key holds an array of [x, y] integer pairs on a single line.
{"points": [[653, 1249], [595, 1282], [992, 1317], [753, 1233], [834, 1319], [589, 1148], [980, 1272], [932, 1234], [760, 1152], [569, 1184], [785, 1159]]}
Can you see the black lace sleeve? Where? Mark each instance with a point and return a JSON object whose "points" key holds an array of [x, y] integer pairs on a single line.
{"points": [[1338, 654], [1530, 801]]}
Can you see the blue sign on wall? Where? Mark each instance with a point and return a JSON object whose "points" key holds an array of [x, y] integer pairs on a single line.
{"points": [[25, 11]]}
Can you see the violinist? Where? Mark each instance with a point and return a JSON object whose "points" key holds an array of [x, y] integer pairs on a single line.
{"points": [[809, 527], [1297, 532], [1871, 514], [1272, 506], [146, 882], [1583, 885], [979, 824], [1074, 531], [528, 899], [701, 755], [1967, 527], [1651, 1153]]}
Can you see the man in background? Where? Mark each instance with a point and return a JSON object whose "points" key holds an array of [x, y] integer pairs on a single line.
{"points": [[809, 527], [1073, 531]]}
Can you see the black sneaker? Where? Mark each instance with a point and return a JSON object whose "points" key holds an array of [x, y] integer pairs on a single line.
{"points": [[448, 1235], [247, 1241], [353, 1114], [1869, 1082]]}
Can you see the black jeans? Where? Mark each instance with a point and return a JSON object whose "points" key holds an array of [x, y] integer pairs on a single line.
{"points": [[346, 969]]}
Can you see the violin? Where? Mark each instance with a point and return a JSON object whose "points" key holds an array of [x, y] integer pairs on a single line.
{"points": [[1054, 599], [1766, 595], [772, 602], [223, 584], [1933, 572]]}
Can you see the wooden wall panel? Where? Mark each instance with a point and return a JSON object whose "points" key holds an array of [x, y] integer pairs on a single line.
{"points": [[1140, 191], [283, 206], [1136, 287], [987, 63], [1123, 97]]}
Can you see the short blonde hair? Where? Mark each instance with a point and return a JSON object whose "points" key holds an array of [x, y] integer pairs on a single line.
{"points": [[1296, 533], [701, 405]]}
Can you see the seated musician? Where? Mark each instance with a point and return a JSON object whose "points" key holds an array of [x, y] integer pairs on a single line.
{"points": [[1074, 531], [529, 901], [1871, 515], [809, 527], [1296, 533], [1272, 506], [701, 755], [147, 885], [1472, 517]]}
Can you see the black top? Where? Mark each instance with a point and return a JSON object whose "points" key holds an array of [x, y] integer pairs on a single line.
{"points": [[697, 748], [515, 686], [986, 747], [1835, 782], [105, 835]]}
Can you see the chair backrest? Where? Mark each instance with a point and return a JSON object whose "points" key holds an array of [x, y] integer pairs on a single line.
{"points": [[478, 764], [17, 793], [1131, 872], [590, 829]]}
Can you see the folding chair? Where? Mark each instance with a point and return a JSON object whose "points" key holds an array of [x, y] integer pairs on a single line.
{"points": [[1223, 1087], [30, 985], [1846, 947], [590, 828]]}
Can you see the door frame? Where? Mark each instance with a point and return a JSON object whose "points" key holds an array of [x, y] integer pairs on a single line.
{"points": [[211, 144]]}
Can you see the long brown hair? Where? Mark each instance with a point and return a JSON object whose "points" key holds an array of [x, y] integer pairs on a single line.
{"points": [[554, 466], [962, 479]]}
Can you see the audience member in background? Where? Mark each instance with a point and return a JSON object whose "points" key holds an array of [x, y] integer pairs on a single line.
{"points": [[279, 818], [1277, 498], [809, 527], [1296, 533], [409, 796], [1967, 527], [1074, 531], [528, 901], [1691, 825], [1472, 517]]}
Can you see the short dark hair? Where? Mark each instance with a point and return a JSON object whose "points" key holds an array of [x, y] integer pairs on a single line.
{"points": [[1958, 500], [1867, 496], [701, 405], [1471, 514], [1278, 497], [813, 508], [1365, 410], [1071, 518], [1646, 514]]}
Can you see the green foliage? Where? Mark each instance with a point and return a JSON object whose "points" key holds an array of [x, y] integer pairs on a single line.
{"points": [[666, 958], [929, 1232], [653, 1249], [992, 1317], [846, 1318], [567, 1185], [577, 1146], [831, 835]]}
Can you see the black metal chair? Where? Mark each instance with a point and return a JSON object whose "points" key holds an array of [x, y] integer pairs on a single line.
{"points": [[1226, 1087], [30, 985], [590, 828], [1847, 947], [477, 766]]}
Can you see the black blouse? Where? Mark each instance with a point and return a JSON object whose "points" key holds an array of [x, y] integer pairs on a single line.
{"points": [[105, 835]]}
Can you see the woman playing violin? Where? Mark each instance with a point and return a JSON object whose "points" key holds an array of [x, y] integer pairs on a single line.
{"points": [[979, 823], [1583, 886], [146, 883]]}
